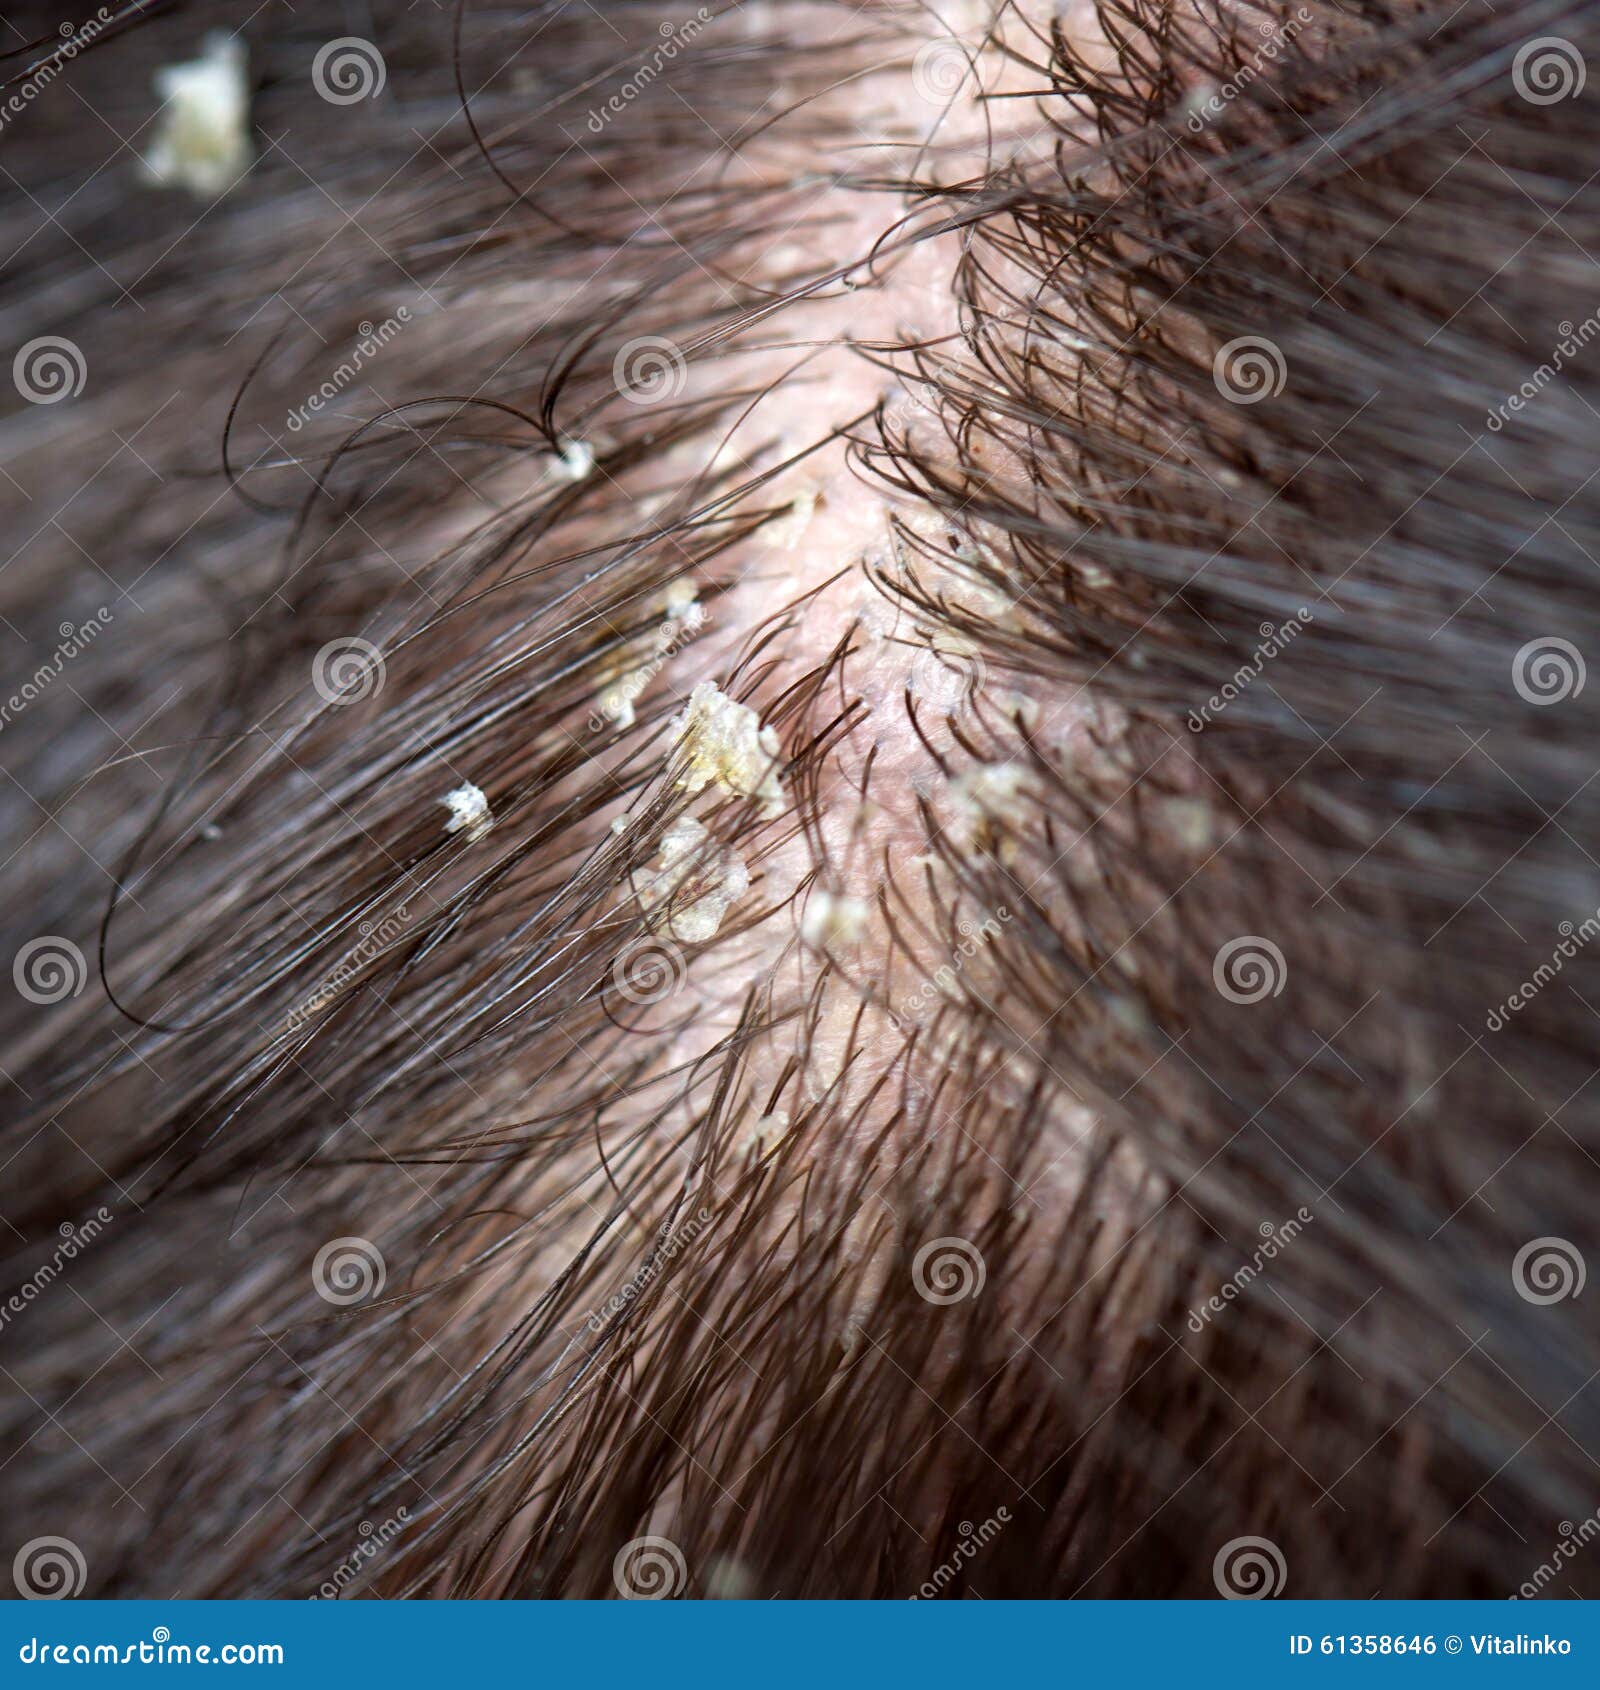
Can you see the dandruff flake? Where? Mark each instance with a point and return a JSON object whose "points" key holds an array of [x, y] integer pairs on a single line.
{"points": [[723, 742], [469, 812]]}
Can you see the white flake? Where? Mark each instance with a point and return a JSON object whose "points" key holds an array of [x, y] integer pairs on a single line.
{"points": [[469, 812], [576, 462], [831, 921], [203, 139]]}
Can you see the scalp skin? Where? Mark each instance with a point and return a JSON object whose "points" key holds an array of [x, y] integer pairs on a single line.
{"points": [[901, 1157]]}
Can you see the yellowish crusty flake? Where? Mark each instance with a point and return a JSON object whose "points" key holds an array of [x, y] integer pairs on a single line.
{"points": [[1191, 822], [203, 142], [765, 1133], [695, 884], [685, 616], [723, 742], [992, 803], [683, 595], [788, 530], [1021, 708]]}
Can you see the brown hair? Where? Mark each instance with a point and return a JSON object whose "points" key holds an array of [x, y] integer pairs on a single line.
{"points": [[1200, 1205]]}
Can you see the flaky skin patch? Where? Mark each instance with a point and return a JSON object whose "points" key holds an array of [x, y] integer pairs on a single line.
{"points": [[459, 1178]]}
